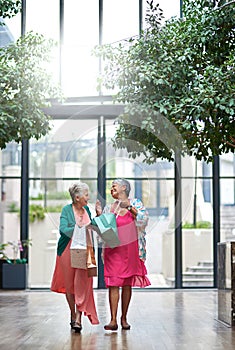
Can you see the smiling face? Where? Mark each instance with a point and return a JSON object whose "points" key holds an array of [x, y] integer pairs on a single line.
{"points": [[84, 199], [116, 190]]}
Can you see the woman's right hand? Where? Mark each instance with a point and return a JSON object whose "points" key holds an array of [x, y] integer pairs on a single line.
{"points": [[98, 207]]}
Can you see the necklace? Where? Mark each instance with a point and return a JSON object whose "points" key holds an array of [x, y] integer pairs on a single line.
{"points": [[79, 212], [80, 219]]}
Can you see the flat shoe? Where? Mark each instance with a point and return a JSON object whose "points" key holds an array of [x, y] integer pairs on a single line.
{"points": [[109, 327], [127, 327]]}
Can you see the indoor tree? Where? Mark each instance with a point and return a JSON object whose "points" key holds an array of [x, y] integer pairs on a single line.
{"points": [[9, 8], [25, 84], [177, 83]]}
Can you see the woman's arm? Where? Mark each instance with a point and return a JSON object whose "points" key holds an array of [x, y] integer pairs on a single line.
{"points": [[142, 216], [66, 224]]}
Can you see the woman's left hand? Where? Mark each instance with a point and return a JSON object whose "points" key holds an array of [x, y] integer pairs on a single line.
{"points": [[124, 204]]}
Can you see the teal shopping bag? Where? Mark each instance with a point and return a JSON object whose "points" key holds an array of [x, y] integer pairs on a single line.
{"points": [[108, 229]]}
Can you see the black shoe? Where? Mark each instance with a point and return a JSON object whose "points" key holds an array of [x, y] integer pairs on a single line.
{"points": [[72, 323], [77, 327]]}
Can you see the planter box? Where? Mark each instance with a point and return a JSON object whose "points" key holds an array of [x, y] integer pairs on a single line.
{"points": [[2, 261], [14, 276]]}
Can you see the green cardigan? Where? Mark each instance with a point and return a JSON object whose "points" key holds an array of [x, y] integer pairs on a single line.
{"points": [[67, 224]]}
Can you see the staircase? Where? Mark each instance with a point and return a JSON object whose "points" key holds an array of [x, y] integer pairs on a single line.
{"points": [[200, 275]]}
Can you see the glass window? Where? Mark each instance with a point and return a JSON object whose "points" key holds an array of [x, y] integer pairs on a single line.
{"points": [[68, 151], [10, 159], [44, 230], [156, 190], [81, 22], [227, 165], [42, 17], [67, 154], [79, 71], [81, 34], [9, 210], [171, 8], [197, 257], [11, 31], [160, 234], [227, 210], [197, 235], [120, 21]]}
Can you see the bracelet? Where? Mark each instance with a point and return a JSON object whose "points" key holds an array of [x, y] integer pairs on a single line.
{"points": [[129, 207]]}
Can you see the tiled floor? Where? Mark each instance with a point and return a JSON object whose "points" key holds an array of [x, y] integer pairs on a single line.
{"points": [[160, 319]]}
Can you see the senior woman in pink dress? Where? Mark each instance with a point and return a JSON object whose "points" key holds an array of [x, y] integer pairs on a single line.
{"points": [[124, 265]]}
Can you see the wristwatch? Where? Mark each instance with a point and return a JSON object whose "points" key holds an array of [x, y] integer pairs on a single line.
{"points": [[129, 207]]}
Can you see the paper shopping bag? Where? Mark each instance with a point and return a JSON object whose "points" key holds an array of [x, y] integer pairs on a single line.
{"points": [[78, 258], [108, 229], [91, 262]]}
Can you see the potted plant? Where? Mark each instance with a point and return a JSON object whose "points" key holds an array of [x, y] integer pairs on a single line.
{"points": [[3, 258], [14, 271]]}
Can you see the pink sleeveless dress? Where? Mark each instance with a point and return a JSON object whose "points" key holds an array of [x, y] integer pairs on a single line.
{"points": [[122, 265]]}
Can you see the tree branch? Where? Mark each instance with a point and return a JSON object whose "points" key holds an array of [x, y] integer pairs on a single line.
{"points": [[225, 5], [230, 144]]}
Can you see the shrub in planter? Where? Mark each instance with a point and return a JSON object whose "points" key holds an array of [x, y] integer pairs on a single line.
{"points": [[14, 271], [3, 258]]}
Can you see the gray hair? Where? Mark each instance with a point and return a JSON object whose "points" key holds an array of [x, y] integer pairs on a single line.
{"points": [[123, 182], [78, 189]]}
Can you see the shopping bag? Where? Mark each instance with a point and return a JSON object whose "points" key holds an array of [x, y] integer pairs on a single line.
{"points": [[78, 258], [108, 229], [91, 262], [78, 248]]}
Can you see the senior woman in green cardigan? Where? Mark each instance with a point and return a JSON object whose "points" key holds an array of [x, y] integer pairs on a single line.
{"points": [[74, 282]]}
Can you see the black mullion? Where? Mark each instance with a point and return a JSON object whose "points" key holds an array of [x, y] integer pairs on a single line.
{"points": [[216, 214], [178, 222]]}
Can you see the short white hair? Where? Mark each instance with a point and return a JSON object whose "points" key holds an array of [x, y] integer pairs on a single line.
{"points": [[78, 189]]}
